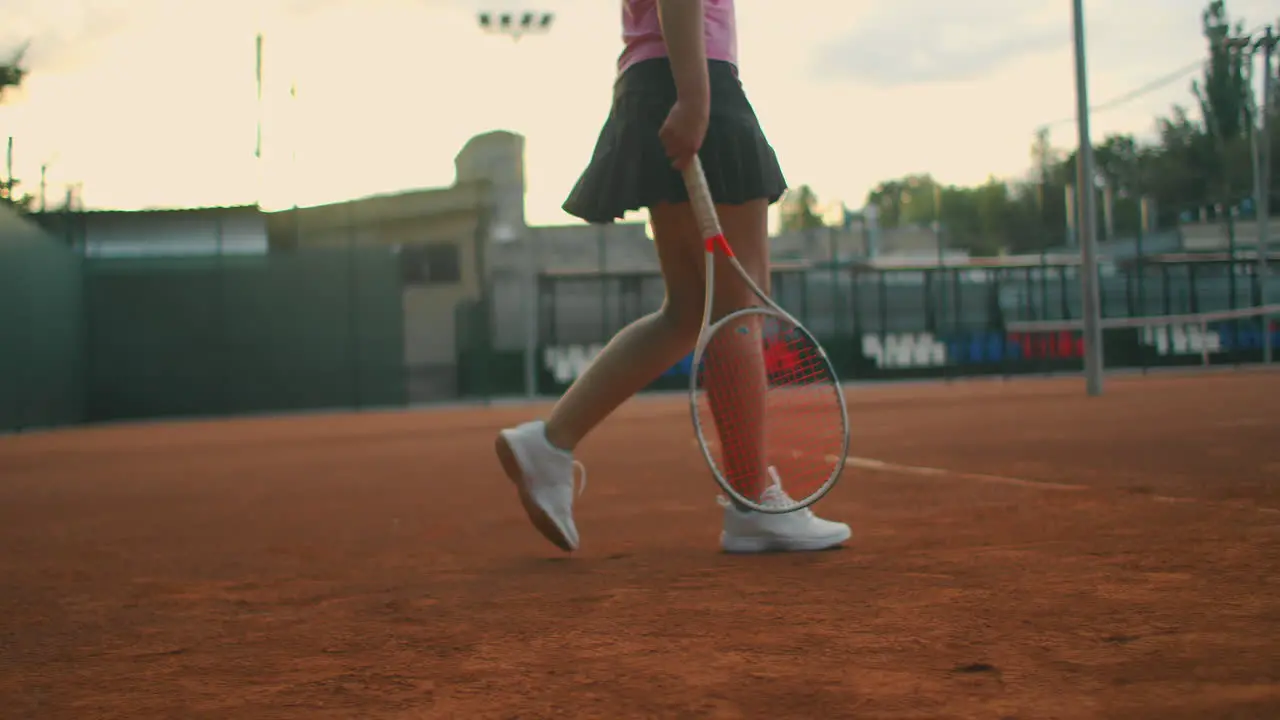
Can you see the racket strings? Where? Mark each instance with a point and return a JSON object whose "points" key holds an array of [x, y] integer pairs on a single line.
{"points": [[769, 398]]}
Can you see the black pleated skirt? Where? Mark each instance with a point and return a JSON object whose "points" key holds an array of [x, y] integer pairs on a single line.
{"points": [[629, 169]]}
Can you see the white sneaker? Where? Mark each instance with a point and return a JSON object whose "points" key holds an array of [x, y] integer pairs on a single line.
{"points": [[544, 477], [748, 531]]}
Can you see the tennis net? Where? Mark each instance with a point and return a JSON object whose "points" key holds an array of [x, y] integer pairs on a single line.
{"points": [[1191, 329]]}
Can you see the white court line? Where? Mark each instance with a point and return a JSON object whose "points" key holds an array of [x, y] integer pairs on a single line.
{"points": [[922, 471], [872, 464]]}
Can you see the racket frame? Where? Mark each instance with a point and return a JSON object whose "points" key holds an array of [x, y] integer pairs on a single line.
{"points": [[704, 211]]}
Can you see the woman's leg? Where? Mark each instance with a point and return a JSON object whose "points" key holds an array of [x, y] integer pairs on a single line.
{"points": [[737, 392], [538, 456], [735, 378], [646, 348]]}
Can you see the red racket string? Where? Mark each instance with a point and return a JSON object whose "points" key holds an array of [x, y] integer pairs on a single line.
{"points": [[769, 397]]}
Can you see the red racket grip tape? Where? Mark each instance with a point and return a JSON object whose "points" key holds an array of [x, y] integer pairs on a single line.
{"points": [[718, 241]]}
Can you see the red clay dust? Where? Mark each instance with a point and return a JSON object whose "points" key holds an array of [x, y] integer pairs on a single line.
{"points": [[1020, 551]]}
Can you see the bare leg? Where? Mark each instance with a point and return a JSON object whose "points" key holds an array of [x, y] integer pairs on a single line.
{"points": [[735, 368], [646, 348], [736, 386], [545, 476]]}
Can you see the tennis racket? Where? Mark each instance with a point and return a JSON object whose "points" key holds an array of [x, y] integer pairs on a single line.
{"points": [[766, 403]]}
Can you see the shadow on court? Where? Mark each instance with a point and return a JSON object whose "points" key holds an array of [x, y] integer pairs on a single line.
{"points": [[1059, 556]]}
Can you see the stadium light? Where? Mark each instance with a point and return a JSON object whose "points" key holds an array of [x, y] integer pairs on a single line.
{"points": [[516, 27], [528, 22]]}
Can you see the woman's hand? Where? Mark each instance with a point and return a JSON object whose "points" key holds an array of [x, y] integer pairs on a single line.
{"points": [[684, 130], [686, 124]]}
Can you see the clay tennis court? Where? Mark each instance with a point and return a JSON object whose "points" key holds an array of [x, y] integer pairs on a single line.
{"points": [[1020, 551]]}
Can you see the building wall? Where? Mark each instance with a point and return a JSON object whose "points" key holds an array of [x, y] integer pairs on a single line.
{"points": [[496, 158], [453, 216], [160, 233], [174, 233], [627, 247], [1213, 236], [622, 246]]}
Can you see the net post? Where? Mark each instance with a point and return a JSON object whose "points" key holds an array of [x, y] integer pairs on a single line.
{"points": [[353, 301], [882, 306], [1264, 192], [1204, 343], [532, 335], [604, 286], [87, 366], [220, 270], [856, 321], [546, 302], [833, 251], [804, 293]]}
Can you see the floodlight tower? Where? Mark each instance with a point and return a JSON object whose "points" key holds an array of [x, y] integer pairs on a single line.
{"points": [[516, 26]]}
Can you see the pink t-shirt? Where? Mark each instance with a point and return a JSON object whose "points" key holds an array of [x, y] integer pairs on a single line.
{"points": [[642, 33]]}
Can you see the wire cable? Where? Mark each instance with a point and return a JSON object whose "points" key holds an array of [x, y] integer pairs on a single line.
{"points": [[1158, 84]]}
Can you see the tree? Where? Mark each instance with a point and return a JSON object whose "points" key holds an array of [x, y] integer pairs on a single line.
{"points": [[1194, 164], [1175, 166], [887, 198], [1222, 93], [1224, 98], [799, 210], [912, 200], [12, 73], [1047, 190]]}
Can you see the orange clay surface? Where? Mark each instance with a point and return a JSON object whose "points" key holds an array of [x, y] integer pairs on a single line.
{"points": [[1020, 551]]}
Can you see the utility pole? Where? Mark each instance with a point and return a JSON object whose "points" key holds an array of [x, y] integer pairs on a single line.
{"points": [[1108, 209], [257, 72], [1087, 227], [1267, 44], [1260, 148], [1233, 45], [937, 221], [515, 28]]}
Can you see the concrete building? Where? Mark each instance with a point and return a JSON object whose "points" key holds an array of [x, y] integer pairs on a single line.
{"points": [[1199, 237], [17, 230], [442, 237], [181, 232]]}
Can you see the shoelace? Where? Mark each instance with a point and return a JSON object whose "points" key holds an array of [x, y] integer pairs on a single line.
{"points": [[726, 502], [806, 511]]}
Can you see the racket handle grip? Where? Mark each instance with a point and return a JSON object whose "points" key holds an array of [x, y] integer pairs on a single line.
{"points": [[704, 208]]}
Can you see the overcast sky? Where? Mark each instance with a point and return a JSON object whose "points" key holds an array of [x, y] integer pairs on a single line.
{"points": [[152, 102]]}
